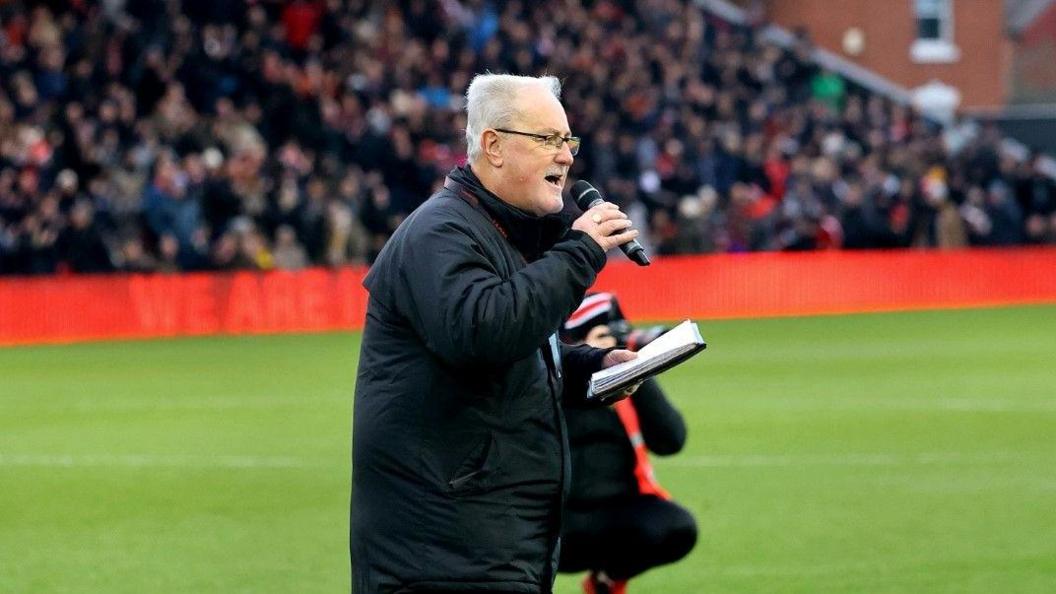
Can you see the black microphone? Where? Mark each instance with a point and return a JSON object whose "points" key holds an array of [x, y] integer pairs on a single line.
{"points": [[587, 197]]}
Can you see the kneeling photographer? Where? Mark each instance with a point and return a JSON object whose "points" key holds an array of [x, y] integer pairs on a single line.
{"points": [[619, 522]]}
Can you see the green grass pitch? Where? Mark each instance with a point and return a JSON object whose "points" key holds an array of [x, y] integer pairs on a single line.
{"points": [[911, 452]]}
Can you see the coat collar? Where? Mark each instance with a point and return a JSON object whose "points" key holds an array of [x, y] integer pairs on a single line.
{"points": [[531, 235]]}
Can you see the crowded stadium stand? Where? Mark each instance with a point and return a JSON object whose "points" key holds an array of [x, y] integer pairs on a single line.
{"points": [[160, 136]]}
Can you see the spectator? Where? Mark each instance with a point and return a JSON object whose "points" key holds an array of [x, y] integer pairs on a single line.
{"points": [[166, 205], [134, 257], [289, 254], [301, 20], [80, 245], [254, 250], [829, 89], [169, 253]]}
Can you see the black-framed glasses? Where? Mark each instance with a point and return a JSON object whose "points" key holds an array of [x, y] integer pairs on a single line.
{"points": [[553, 141]]}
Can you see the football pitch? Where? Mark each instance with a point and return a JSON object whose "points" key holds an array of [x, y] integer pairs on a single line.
{"points": [[883, 453]]}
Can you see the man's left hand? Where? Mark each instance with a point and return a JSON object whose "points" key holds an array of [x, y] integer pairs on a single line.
{"points": [[617, 356]]}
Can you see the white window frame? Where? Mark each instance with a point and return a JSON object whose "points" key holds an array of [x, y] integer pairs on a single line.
{"points": [[935, 51]]}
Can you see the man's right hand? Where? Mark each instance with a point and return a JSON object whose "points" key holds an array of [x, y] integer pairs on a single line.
{"points": [[606, 225]]}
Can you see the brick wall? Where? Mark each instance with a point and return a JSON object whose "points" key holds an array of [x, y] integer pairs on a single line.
{"points": [[981, 73]]}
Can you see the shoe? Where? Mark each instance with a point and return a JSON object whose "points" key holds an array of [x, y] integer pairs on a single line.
{"points": [[599, 583]]}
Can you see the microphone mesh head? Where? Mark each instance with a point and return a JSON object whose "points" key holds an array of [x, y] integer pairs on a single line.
{"points": [[584, 193]]}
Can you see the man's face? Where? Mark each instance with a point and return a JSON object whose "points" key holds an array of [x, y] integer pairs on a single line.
{"points": [[534, 174], [600, 337]]}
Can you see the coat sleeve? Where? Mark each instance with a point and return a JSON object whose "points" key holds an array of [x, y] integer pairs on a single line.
{"points": [[662, 426], [467, 313], [579, 362]]}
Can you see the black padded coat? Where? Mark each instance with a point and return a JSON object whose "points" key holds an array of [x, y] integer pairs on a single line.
{"points": [[460, 453]]}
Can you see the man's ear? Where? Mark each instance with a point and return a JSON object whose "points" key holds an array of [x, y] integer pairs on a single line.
{"points": [[491, 148]]}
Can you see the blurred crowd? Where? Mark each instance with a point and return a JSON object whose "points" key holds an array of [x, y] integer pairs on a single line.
{"points": [[166, 135]]}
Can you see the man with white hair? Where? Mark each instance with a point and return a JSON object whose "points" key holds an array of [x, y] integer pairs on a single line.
{"points": [[460, 452]]}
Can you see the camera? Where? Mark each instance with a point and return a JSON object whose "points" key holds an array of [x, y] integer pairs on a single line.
{"points": [[631, 338]]}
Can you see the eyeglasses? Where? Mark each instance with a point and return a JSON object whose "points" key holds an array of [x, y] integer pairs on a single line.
{"points": [[553, 141]]}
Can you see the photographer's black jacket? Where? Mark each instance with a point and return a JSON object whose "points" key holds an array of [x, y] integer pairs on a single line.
{"points": [[460, 456], [602, 455]]}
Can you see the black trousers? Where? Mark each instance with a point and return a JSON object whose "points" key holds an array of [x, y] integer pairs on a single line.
{"points": [[626, 537]]}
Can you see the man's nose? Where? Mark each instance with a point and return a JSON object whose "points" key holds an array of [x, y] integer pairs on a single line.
{"points": [[564, 156]]}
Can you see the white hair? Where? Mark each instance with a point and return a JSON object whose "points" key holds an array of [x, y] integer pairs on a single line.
{"points": [[491, 102]]}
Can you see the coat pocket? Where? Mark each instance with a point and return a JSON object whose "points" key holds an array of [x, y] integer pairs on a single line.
{"points": [[475, 472]]}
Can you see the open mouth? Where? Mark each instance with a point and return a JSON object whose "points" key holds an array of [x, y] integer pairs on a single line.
{"points": [[556, 180]]}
